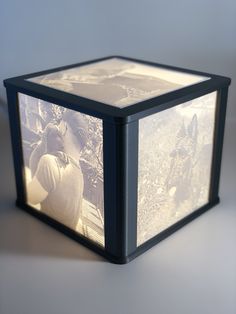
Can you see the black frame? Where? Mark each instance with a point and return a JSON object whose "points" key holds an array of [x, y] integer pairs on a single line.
{"points": [[120, 147]]}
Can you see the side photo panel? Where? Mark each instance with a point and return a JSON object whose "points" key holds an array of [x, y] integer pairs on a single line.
{"points": [[63, 165], [175, 158]]}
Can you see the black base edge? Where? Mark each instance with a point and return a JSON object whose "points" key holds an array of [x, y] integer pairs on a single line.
{"points": [[167, 232], [99, 250], [68, 232]]}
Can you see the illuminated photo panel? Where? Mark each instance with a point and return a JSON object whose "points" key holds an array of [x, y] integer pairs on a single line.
{"points": [[63, 165], [117, 82], [174, 165]]}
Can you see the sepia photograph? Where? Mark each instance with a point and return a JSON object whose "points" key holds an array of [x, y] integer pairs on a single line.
{"points": [[63, 165], [117, 82], [175, 155]]}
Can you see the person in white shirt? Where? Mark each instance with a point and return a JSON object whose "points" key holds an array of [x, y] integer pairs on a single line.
{"points": [[58, 182]]}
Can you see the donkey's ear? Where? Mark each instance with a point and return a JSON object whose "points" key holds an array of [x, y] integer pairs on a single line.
{"points": [[193, 127]]}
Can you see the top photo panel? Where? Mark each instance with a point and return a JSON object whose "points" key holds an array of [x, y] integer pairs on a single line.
{"points": [[118, 82]]}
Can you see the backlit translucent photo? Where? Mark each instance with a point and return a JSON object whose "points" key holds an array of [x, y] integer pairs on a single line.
{"points": [[117, 82], [174, 167], [63, 165]]}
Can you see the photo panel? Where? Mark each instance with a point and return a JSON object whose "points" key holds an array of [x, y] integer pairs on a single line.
{"points": [[63, 165], [118, 82], [174, 166]]}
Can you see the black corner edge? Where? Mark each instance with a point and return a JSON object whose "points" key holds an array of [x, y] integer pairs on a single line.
{"points": [[224, 80], [228, 80], [10, 82], [120, 260], [5, 82]]}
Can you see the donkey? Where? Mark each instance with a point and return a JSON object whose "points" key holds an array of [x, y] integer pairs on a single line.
{"points": [[179, 178]]}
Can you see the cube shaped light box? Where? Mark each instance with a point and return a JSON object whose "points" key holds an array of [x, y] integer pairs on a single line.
{"points": [[117, 153]]}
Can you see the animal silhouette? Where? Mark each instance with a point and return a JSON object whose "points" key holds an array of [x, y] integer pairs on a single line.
{"points": [[178, 182]]}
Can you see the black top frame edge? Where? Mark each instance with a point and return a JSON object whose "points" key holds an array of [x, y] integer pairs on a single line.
{"points": [[64, 99], [155, 64], [174, 68], [112, 113], [57, 69]]}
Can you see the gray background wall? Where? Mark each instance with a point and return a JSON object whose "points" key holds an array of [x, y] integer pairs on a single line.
{"points": [[37, 35], [193, 271]]}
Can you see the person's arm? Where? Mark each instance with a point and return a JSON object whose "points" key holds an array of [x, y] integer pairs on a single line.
{"points": [[35, 192]]}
